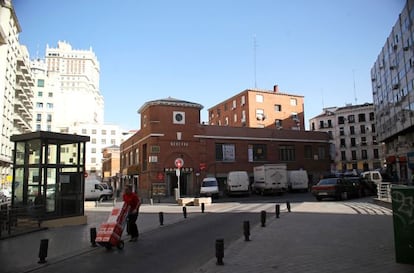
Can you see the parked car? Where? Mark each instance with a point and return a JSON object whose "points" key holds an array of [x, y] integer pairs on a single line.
{"points": [[209, 187], [337, 188], [364, 186]]}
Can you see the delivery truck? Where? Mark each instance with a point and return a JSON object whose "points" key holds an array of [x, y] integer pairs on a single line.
{"points": [[270, 178], [298, 180]]}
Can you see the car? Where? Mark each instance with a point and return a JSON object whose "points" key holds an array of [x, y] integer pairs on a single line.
{"points": [[209, 187], [333, 187], [364, 186]]}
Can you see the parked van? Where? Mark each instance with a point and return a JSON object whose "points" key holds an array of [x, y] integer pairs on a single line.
{"points": [[209, 187], [237, 183], [95, 191], [298, 180], [374, 176], [270, 178]]}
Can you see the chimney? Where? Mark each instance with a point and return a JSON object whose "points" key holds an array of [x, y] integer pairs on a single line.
{"points": [[276, 88]]}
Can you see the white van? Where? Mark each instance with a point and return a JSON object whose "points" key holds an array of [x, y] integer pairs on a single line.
{"points": [[209, 187], [95, 191], [298, 180], [237, 183], [374, 176]]}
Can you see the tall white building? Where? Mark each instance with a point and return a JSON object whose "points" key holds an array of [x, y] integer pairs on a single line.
{"points": [[74, 78], [9, 54], [353, 136]]}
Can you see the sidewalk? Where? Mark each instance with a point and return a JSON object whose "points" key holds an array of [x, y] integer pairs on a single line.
{"points": [[322, 240], [314, 237]]}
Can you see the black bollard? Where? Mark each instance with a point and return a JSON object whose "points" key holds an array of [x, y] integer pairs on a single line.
{"points": [[220, 251], [44, 244], [93, 236], [202, 207], [246, 230], [161, 216], [277, 210], [288, 206], [263, 218], [185, 212]]}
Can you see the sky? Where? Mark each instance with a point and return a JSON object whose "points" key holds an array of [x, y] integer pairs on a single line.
{"points": [[208, 51]]}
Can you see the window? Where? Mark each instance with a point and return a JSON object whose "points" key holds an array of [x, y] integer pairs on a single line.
{"points": [[49, 118], [376, 153], [235, 117], [343, 155], [50, 105], [293, 102], [103, 141], [362, 129], [351, 119], [40, 94], [93, 160], [287, 153], [113, 132], [278, 108], [84, 131], [103, 132], [225, 152], [243, 100], [353, 142], [352, 130], [373, 128], [364, 154], [363, 141], [341, 120], [38, 127], [234, 104], [260, 114], [94, 150], [371, 116], [343, 145], [257, 152], [93, 140], [93, 131], [361, 117], [40, 83], [259, 98], [278, 123], [321, 152], [374, 140], [353, 154], [113, 142], [39, 105], [308, 152], [50, 95], [341, 131], [39, 117], [294, 116]]}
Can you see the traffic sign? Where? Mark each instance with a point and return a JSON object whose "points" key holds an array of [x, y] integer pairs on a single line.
{"points": [[179, 162]]}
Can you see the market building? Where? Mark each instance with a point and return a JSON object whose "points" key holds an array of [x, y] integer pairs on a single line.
{"points": [[171, 132]]}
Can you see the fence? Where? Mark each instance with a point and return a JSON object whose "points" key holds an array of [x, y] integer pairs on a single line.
{"points": [[384, 191], [18, 220]]}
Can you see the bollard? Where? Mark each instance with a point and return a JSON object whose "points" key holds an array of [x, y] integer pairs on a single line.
{"points": [[96, 203], [202, 207], [185, 212], [220, 251], [277, 210], [44, 243], [246, 230], [161, 216], [263, 218], [288, 206], [152, 202], [114, 202], [93, 236]]}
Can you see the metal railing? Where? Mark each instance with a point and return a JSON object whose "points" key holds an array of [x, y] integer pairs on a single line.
{"points": [[21, 219], [384, 191]]}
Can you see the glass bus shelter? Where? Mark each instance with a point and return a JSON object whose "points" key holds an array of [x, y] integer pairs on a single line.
{"points": [[48, 172]]}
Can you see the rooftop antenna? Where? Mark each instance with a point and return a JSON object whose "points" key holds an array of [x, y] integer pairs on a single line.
{"points": [[355, 96], [254, 60], [323, 103]]}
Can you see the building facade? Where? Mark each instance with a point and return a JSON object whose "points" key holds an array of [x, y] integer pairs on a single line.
{"points": [[353, 136], [392, 78], [260, 109], [171, 131], [9, 55]]}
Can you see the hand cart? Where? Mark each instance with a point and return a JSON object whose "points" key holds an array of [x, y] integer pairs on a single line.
{"points": [[110, 232]]}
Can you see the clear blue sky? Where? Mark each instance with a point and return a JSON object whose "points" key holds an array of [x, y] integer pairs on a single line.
{"points": [[203, 51]]}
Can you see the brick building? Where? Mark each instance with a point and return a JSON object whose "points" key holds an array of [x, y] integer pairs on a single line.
{"points": [[171, 129], [260, 109]]}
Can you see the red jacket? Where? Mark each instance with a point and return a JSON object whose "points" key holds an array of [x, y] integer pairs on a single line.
{"points": [[133, 201]]}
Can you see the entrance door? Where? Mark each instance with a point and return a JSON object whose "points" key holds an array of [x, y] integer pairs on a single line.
{"points": [[70, 194], [173, 183]]}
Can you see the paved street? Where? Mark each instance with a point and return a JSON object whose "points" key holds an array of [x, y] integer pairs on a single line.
{"points": [[350, 236]]}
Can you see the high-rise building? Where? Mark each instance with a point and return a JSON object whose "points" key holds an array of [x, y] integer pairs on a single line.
{"points": [[392, 78], [9, 55], [74, 80]]}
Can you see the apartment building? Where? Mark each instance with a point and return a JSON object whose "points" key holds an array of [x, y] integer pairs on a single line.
{"points": [[353, 134], [171, 130], [9, 55], [392, 78], [260, 109]]}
